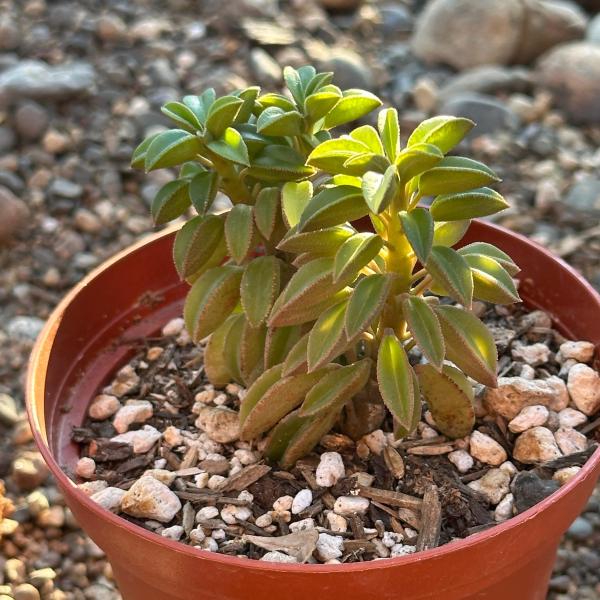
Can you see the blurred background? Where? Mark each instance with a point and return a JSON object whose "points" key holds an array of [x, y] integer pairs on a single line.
{"points": [[82, 82]]}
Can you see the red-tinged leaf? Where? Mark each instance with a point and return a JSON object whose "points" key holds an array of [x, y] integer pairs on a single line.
{"points": [[215, 365], [239, 232], [279, 342], [327, 338], [259, 288], [355, 254], [450, 270]]}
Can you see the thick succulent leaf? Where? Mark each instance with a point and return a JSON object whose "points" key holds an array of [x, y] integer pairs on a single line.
{"points": [[249, 96], [491, 251], [239, 232], [266, 210], [231, 146], [189, 170], [251, 352], [294, 84], [327, 338], [222, 114], [450, 232], [294, 199], [469, 344], [171, 201], [271, 405], [170, 148], [318, 104], [336, 388], [259, 288], [138, 158], [401, 431], [445, 132], [297, 361], [414, 160], [450, 399], [418, 228], [331, 155], [281, 435], [379, 190], [389, 130], [321, 242], [200, 105], [203, 190], [306, 73], [215, 365], [394, 377], [346, 180], [182, 115], [277, 122], [355, 254], [195, 243], [333, 206], [360, 164], [367, 135], [257, 390], [425, 328], [231, 349], [255, 142], [467, 205], [455, 174], [279, 342], [278, 100], [366, 303], [279, 163], [321, 82], [491, 282], [450, 270], [211, 299], [354, 105]]}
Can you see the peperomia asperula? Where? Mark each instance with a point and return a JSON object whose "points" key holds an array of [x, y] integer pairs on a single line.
{"points": [[316, 318]]}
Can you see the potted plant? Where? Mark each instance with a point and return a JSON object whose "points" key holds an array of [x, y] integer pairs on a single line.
{"points": [[336, 298]]}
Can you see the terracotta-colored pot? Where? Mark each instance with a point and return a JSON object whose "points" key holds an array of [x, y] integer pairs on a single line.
{"points": [[92, 332]]}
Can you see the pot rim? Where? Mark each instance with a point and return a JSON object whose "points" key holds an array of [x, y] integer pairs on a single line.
{"points": [[35, 386]]}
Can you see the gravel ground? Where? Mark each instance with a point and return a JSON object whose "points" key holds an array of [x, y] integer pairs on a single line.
{"points": [[81, 83]]}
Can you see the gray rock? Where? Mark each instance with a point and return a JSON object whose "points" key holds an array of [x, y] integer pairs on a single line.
{"points": [[489, 79], [529, 489], [580, 529], [489, 113], [64, 188], [31, 120], [593, 30], [9, 34], [13, 214], [265, 68], [7, 139], [351, 71], [584, 196], [8, 410], [24, 328], [395, 18], [572, 74], [38, 80]]}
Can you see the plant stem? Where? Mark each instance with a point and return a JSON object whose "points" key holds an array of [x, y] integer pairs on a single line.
{"points": [[422, 287]]}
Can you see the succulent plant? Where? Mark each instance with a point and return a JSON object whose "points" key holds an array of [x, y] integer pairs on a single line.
{"points": [[314, 315]]}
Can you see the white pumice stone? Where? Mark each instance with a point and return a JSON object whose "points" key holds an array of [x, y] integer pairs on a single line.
{"points": [[278, 557], [486, 449], [172, 533], [148, 498], [329, 546], [330, 469], [351, 505], [135, 411], [462, 460], [302, 500], [303, 525], [86, 467], [173, 327], [206, 513], [141, 440], [530, 416], [109, 498], [494, 485]]}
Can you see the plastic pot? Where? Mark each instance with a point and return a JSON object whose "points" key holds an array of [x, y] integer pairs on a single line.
{"points": [[94, 330]]}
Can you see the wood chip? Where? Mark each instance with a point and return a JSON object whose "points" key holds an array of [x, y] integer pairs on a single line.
{"points": [[309, 477], [391, 498], [188, 517], [312, 510], [245, 478], [397, 526], [431, 520], [394, 462], [356, 525], [409, 517], [188, 472], [328, 500], [253, 528], [359, 546], [431, 450], [300, 545], [190, 458], [421, 442]]}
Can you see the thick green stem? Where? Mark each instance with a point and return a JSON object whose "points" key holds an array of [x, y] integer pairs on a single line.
{"points": [[231, 182]]}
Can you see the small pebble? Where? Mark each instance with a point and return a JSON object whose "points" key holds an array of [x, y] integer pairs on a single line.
{"points": [[278, 557], [103, 406], [486, 449], [330, 469], [302, 525], [505, 507], [569, 417], [148, 498], [530, 416], [570, 441], [351, 505], [566, 474], [584, 387], [336, 522], [109, 498], [85, 468], [283, 503], [462, 460], [536, 445], [582, 352], [494, 485], [534, 355], [329, 546], [302, 500]]}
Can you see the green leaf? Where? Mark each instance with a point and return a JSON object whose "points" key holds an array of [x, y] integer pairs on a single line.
{"points": [[215, 365], [249, 96], [491, 282], [296, 360], [259, 288], [367, 135], [239, 232], [211, 299], [321, 242], [279, 163], [266, 209], [278, 100], [450, 399], [366, 303], [231, 146], [277, 122], [414, 160], [318, 104], [418, 228], [279, 342], [281, 435], [353, 105], [469, 344], [303, 312], [319, 83], [196, 242], [394, 377], [333, 206], [294, 199], [389, 130], [336, 388], [360, 164], [231, 347], [354, 254], [444, 132], [171, 148], [138, 158], [306, 73], [379, 190], [222, 114], [455, 174], [200, 105], [203, 190], [182, 115], [251, 352], [256, 391], [485, 249], [330, 156], [425, 328], [294, 84], [326, 339], [189, 170], [449, 233], [171, 201], [467, 205], [401, 431], [450, 270]]}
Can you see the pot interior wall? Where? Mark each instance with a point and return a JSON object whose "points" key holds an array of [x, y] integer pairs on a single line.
{"points": [[112, 314]]}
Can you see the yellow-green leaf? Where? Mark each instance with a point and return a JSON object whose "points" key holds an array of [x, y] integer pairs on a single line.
{"points": [[353, 105], [330, 156], [320, 242], [455, 174], [277, 122], [489, 250], [266, 211], [196, 242], [389, 130], [379, 190], [231, 146], [367, 135], [326, 339], [425, 328], [239, 232], [354, 254], [450, 270], [480, 202], [259, 288], [414, 160], [449, 233], [294, 199], [418, 228], [445, 132], [215, 365], [366, 303], [491, 282]]}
